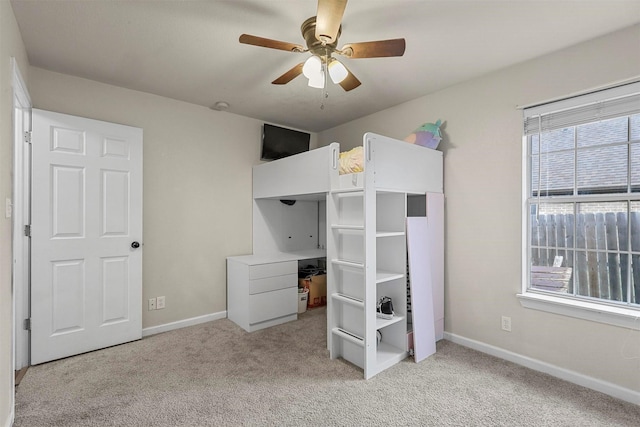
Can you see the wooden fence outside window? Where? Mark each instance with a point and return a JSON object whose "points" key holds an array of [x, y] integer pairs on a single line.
{"points": [[602, 245]]}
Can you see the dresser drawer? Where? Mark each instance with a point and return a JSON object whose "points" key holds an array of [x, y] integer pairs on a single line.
{"points": [[271, 305], [260, 271], [272, 283]]}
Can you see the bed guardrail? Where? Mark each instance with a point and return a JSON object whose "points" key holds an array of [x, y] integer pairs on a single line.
{"points": [[299, 175], [399, 165]]}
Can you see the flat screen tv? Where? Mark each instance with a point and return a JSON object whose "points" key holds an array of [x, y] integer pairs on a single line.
{"points": [[278, 142]]}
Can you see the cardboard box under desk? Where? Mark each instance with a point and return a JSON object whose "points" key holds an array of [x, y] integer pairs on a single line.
{"points": [[317, 289]]}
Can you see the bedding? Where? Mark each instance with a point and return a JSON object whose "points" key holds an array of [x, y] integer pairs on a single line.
{"points": [[351, 161]]}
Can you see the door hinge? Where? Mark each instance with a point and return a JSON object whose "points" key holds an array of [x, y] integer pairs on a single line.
{"points": [[27, 324], [27, 230], [27, 137]]}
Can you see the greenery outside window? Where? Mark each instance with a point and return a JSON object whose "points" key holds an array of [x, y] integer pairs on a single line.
{"points": [[581, 220]]}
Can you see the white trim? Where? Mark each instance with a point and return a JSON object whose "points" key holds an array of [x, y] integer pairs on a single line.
{"points": [[526, 226], [21, 201], [605, 387], [18, 84], [20, 99], [11, 417], [152, 330], [595, 312]]}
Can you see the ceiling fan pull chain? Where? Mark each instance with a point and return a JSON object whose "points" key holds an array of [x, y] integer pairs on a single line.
{"points": [[324, 87], [325, 70]]}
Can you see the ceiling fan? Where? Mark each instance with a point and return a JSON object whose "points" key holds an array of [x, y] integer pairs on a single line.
{"points": [[321, 33]]}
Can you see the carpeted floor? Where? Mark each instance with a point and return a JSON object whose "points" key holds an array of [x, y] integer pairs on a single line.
{"points": [[216, 374]]}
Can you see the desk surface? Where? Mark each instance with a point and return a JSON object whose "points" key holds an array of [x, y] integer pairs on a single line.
{"points": [[272, 257]]}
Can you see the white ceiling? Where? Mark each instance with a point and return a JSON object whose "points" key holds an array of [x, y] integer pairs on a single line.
{"points": [[189, 50]]}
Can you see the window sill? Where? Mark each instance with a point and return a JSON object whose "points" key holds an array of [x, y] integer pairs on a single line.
{"points": [[616, 316]]}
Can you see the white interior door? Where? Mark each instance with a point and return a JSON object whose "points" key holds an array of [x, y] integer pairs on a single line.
{"points": [[86, 271]]}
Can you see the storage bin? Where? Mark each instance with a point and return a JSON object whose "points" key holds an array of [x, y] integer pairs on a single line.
{"points": [[303, 298]]}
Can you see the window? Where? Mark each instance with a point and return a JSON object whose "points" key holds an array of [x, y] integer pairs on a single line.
{"points": [[582, 195]]}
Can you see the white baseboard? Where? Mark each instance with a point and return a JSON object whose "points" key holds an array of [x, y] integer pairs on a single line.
{"points": [[152, 330], [611, 389], [10, 418]]}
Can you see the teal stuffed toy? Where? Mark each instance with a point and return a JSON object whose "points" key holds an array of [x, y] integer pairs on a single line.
{"points": [[428, 135]]}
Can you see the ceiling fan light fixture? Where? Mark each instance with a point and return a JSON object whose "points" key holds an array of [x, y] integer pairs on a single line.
{"points": [[321, 34], [312, 67], [337, 71], [317, 81]]}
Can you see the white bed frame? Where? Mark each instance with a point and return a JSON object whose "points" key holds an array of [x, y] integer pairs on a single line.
{"points": [[303, 176], [394, 171], [397, 166]]}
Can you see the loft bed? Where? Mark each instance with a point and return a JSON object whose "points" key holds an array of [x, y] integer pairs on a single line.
{"points": [[391, 164], [365, 215]]}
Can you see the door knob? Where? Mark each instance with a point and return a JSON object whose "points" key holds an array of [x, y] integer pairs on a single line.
{"points": [[135, 245]]}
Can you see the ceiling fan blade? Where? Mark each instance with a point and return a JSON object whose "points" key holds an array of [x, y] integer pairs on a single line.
{"points": [[377, 49], [350, 82], [289, 75], [329, 19], [273, 44]]}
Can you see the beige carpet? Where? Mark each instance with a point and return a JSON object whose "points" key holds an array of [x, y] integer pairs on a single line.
{"points": [[215, 374]]}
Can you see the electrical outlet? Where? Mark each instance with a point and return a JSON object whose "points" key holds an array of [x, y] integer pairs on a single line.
{"points": [[152, 303], [160, 302], [506, 323]]}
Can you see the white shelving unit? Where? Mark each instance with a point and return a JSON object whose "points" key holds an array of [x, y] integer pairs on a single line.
{"points": [[367, 251]]}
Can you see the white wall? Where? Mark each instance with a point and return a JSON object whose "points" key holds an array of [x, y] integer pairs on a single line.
{"points": [[10, 46], [197, 187], [482, 146]]}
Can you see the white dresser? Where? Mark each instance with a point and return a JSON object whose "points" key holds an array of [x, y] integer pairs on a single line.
{"points": [[262, 290]]}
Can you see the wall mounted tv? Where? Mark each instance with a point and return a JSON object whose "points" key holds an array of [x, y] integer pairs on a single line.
{"points": [[278, 142]]}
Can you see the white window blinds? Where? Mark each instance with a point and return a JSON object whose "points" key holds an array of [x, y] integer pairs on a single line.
{"points": [[596, 106]]}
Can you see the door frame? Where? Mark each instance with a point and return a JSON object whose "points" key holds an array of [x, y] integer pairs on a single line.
{"points": [[21, 198]]}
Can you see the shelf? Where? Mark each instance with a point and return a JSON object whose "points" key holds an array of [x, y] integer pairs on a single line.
{"points": [[348, 336], [386, 276], [383, 323], [390, 233], [388, 355], [381, 190], [347, 190], [271, 257], [351, 264], [347, 227], [348, 300]]}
